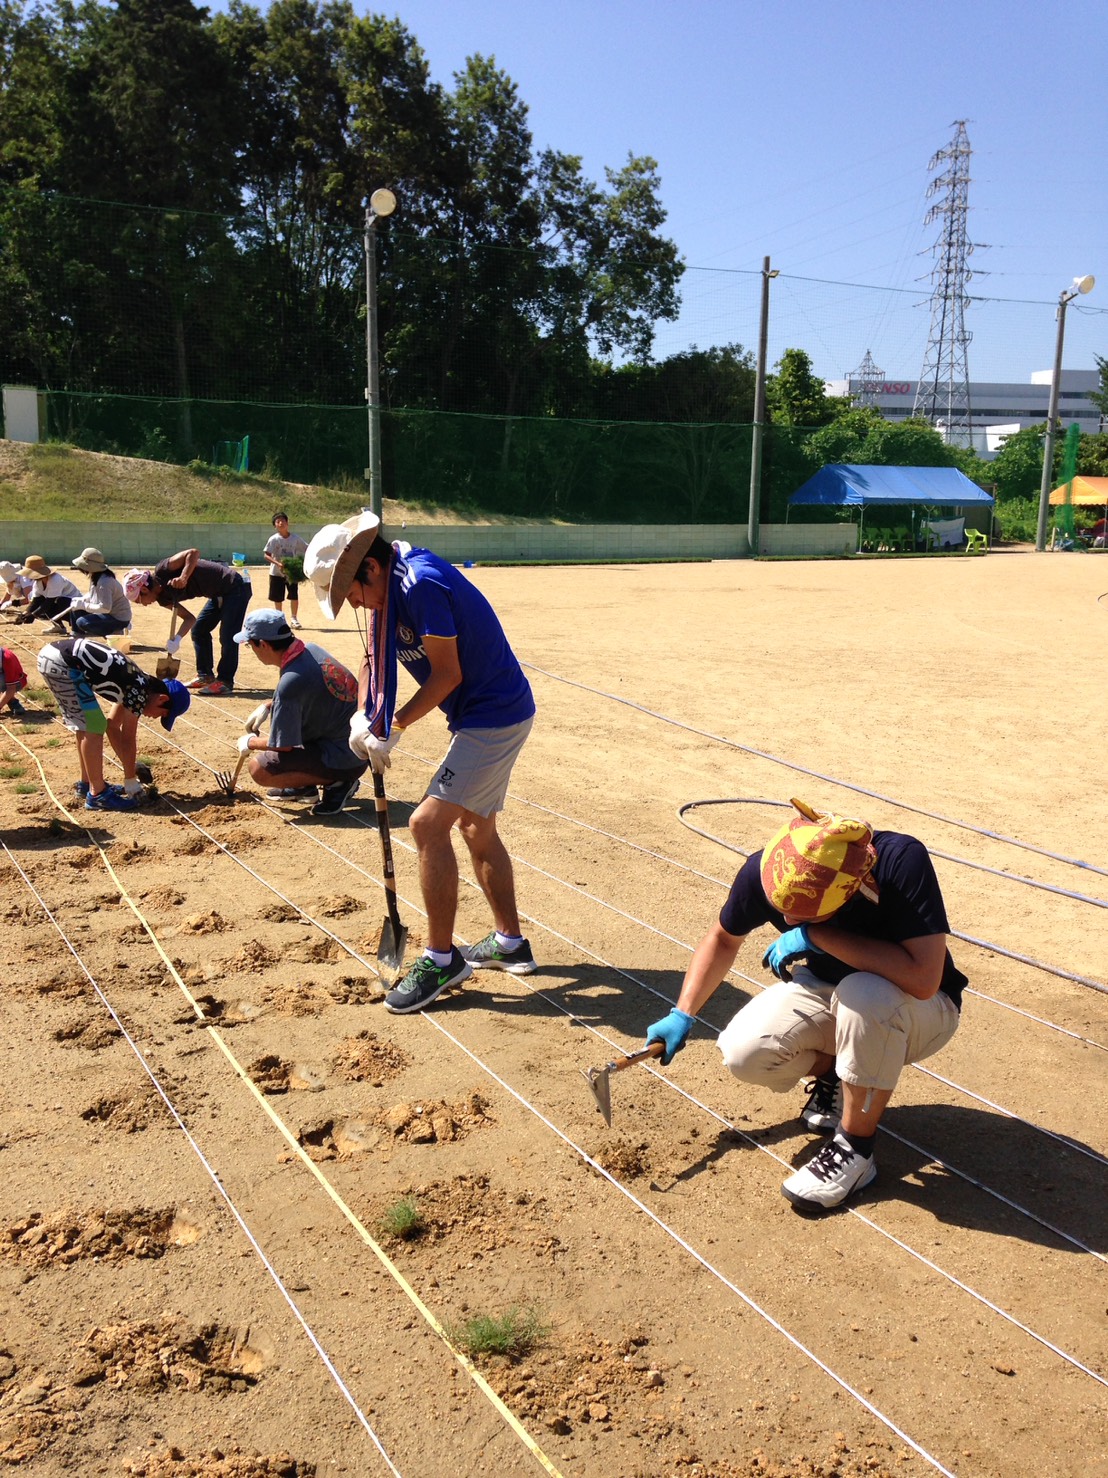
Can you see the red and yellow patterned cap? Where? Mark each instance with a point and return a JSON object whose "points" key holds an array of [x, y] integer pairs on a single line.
{"points": [[816, 863]]}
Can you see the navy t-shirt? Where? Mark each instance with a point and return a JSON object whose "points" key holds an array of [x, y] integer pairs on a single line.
{"points": [[910, 905], [313, 703]]}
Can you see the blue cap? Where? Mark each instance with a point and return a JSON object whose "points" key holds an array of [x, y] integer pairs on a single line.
{"points": [[179, 700], [264, 625]]}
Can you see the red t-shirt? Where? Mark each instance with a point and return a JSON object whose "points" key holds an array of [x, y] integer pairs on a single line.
{"points": [[12, 668]]}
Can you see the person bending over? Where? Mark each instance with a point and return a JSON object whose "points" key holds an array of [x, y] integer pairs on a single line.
{"points": [[79, 671], [226, 595], [879, 988], [425, 614]]}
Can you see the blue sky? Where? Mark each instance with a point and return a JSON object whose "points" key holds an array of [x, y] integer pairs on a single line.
{"points": [[804, 132]]}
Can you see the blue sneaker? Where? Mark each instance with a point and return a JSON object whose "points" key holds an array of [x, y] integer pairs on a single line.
{"points": [[111, 798], [426, 981], [81, 788]]}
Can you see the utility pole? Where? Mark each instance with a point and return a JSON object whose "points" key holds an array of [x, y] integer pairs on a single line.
{"points": [[381, 203], [759, 416], [1080, 285]]}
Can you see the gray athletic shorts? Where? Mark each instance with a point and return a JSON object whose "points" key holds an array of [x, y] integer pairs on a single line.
{"points": [[478, 766]]}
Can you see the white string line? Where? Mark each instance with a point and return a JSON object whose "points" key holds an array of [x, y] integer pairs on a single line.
{"points": [[817, 774], [697, 1257], [929, 1155], [712, 1113], [211, 1173], [853, 1211]]}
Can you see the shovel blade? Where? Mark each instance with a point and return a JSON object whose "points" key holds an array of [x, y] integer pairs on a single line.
{"points": [[601, 1090], [167, 667], [393, 942]]}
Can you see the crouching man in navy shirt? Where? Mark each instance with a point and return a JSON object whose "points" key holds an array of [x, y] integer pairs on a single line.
{"points": [[879, 989]]}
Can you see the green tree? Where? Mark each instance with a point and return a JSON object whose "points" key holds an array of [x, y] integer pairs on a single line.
{"points": [[796, 396], [1017, 468]]}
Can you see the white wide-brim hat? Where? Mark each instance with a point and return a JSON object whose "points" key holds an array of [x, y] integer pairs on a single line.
{"points": [[8, 571], [333, 558]]}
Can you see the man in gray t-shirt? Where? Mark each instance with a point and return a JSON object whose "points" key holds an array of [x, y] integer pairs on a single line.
{"points": [[309, 728]]}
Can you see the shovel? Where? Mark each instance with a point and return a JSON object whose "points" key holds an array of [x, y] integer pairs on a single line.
{"points": [[597, 1077], [169, 666], [394, 934]]}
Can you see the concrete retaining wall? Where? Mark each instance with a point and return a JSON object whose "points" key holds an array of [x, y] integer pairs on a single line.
{"points": [[126, 544]]}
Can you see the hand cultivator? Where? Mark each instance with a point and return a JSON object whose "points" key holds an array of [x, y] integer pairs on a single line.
{"points": [[597, 1077], [226, 781]]}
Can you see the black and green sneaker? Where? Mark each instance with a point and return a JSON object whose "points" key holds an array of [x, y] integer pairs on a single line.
{"points": [[489, 954], [426, 981]]}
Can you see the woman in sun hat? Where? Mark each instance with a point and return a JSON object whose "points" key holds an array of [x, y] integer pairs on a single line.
{"points": [[105, 609], [879, 989], [17, 587], [50, 592], [426, 615]]}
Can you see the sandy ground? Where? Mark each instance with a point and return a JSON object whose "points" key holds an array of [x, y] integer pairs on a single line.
{"points": [[218, 956]]}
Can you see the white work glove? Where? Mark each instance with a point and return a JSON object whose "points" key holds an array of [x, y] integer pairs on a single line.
{"points": [[367, 746], [242, 743], [173, 645], [132, 786], [253, 724]]}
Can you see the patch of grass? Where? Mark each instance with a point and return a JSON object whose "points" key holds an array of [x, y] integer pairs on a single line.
{"points": [[40, 695], [26, 788], [12, 772], [403, 1222], [28, 728], [514, 1333], [52, 744]]}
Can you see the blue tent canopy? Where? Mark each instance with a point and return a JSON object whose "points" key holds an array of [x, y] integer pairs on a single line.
{"points": [[847, 485]]}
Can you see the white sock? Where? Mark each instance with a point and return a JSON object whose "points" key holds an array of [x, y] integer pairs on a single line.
{"points": [[441, 958], [508, 941]]}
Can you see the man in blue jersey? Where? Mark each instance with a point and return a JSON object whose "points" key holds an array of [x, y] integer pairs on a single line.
{"points": [[425, 614], [877, 988]]}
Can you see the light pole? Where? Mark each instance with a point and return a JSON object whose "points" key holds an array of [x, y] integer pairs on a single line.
{"points": [[381, 203], [759, 416], [1080, 285]]}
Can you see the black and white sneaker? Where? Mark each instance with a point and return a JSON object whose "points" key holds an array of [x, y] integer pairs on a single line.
{"points": [[838, 1171], [335, 796], [292, 792], [489, 954], [426, 981], [824, 1108]]}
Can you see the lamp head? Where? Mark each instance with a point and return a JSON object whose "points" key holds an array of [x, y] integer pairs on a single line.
{"points": [[1084, 284], [382, 202]]}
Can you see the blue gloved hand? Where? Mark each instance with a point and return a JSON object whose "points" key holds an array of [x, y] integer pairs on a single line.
{"points": [[673, 1030], [791, 946]]}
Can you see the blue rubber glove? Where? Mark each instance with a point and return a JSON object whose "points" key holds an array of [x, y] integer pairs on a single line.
{"points": [[791, 946], [673, 1030]]}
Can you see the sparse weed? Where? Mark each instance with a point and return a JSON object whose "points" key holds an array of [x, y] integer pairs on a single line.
{"points": [[403, 1222], [25, 788], [52, 744], [514, 1333], [12, 772]]}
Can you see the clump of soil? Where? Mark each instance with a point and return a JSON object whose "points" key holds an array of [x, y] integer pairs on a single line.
{"points": [[316, 952], [253, 956], [110, 1235], [356, 990], [367, 1059], [338, 907], [67, 985], [151, 1357], [238, 838], [173, 1463], [279, 913], [273, 1074], [92, 1032], [130, 1112], [191, 846], [162, 897], [487, 1220], [625, 1161], [305, 999], [433, 1121], [203, 923]]}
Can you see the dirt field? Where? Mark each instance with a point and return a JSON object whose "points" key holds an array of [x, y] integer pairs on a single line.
{"points": [[956, 1320]]}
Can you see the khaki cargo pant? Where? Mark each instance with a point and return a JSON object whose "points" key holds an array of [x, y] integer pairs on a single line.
{"points": [[870, 1026]]}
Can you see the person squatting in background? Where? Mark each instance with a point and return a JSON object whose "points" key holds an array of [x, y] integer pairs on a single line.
{"points": [[879, 988], [309, 718], [17, 587], [80, 670], [226, 594], [50, 591], [425, 614], [105, 609], [280, 547], [12, 682]]}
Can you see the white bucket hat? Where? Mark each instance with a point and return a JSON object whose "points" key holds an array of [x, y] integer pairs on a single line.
{"points": [[8, 571], [334, 557]]}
